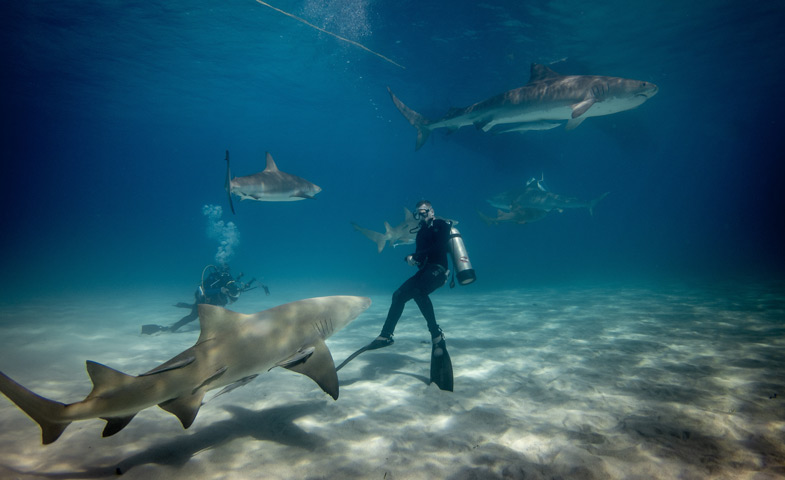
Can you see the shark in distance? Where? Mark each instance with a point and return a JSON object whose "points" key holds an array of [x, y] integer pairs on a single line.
{"points": [[519, 215], [232, 348], [269, 185], [535, 195], [548, 100]]}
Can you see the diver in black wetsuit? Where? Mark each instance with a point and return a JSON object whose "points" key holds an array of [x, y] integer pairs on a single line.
{"points": [[219, 288], [430, 257]]}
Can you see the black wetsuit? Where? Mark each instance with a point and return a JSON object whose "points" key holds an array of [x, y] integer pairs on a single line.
{"points": [[431, 253]]}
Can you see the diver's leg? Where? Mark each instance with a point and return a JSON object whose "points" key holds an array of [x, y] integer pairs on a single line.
{"points": [[426, 308], [186, 319], [404, 293]]}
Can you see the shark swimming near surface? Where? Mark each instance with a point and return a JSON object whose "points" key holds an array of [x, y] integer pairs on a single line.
{"points": [[535, 195], [269, 185], [232, 349], [547, 101]]}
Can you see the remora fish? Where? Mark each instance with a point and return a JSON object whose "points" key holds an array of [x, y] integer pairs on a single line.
{"points": [[231, 348], [269, 185], [544, 103]]}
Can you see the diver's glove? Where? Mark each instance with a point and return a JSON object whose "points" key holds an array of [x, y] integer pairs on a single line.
{"points": [[411, 261]]}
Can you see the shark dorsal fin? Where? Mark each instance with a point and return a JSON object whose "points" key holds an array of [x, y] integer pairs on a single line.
{"points": [[541, 72], [408, 215], [105, 378], [271, 166], [214, 320]]}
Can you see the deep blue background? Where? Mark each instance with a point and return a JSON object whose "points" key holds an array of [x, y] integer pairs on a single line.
{"points": [[116, 116]]}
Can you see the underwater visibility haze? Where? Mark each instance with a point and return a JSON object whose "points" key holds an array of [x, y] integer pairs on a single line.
{"points": [[632, 320]]}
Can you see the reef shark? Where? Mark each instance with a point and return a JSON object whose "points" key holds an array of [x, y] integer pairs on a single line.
{"points": [[517, 215], [269, 185], [232, 348], [402, 234], [545, 102], [535, 195]]}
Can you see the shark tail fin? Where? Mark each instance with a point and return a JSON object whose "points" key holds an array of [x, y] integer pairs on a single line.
{"points": [[44, 411], [595, 202], [418, 121], [228, 183], [378, 238]]}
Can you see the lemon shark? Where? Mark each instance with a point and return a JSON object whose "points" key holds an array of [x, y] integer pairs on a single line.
{"points": [[269, 185], [547, 101], [231, 350]]}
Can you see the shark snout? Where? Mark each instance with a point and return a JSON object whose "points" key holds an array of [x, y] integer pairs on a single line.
{"points": [[649, 90]]}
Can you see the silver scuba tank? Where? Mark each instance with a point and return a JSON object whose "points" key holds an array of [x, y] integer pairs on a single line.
{"points": [[460, 258]]}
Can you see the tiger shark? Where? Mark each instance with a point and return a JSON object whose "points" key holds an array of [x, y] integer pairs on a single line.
{"points": [[547, 101], [269, 185], [535, 195], [232, 348]]}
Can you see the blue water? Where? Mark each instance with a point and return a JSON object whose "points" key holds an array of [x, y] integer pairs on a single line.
{"points": [[116, 116]]}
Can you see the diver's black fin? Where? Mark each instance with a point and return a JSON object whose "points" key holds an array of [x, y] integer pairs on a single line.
{"points": [[150, 329], [441, 367], [228, 183]]}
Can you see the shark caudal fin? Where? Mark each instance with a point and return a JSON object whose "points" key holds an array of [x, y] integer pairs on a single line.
{"points": [[228, 183], [418, 121], [378, 238], [44, 411], [595, 202]]}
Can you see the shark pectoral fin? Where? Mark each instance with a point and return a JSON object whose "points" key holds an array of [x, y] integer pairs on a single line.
{"points": [[114, 425], [581, 107], [184, 408], [574, 122], [483, 125], [320, 368], [299, 357]]}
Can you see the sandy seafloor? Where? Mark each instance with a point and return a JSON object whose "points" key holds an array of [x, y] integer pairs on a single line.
{"points": [[577, 382]]}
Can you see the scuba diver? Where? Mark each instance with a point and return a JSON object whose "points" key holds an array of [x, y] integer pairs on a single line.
{"points": [[219, 288], [435, 239]]}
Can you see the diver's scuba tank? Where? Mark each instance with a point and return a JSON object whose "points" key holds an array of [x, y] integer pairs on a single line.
{"points": [[460, 259]]}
